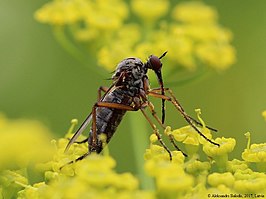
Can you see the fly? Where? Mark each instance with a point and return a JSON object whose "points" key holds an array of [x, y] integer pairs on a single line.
{"points": [[129, 92]]}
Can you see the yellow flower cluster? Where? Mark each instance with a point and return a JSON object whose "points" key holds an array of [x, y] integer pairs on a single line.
{"points": [[171, 179], [157, 9], [199, 178], [23, 142], [95, 176], [189, 31], [264, 114], [95, 14]]}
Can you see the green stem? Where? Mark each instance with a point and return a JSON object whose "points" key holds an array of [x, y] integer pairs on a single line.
{"points": [[140, 143], [187, 79], [261, 166], [74, 51], [59, 33], [221, 162]]}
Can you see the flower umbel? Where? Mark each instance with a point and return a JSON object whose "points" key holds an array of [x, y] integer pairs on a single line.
{"points": [[191, 34], [22, 137], [95, 176]]}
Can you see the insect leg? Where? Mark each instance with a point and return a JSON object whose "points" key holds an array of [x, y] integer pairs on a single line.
{"points": [[94, 133], [177, 105], [107, 105], [156, 131], [100, 90], [82, 141], [93, 118], [170, 136], [115, 105], [73, 161], [79, 131], [157, 90]]}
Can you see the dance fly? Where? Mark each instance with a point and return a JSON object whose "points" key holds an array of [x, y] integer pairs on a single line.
{"points": [[129, 92]]}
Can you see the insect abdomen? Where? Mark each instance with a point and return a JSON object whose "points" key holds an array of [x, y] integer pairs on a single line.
{"points": [[108, 119]]}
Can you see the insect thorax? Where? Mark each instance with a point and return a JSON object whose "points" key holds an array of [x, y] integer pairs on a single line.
{"points": [[133, 71]]}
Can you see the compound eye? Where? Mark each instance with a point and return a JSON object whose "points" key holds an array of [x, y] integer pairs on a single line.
{"points": [[155, 63]]}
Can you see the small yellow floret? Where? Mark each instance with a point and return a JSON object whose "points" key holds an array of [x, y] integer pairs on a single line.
{"points": [[252, 185], [216, 179], [194, 12], [153, 138], [235, 165], [264, 114], [226, 146], [150, 10], [256, 153], [196, 166]]}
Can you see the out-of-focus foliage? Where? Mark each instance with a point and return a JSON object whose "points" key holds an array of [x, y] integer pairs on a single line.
{"points": [[110, 32]]}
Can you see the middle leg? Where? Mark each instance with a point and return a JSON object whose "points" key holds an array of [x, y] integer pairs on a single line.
{"points": [[177, 105], [154, 92], [156, 132], [170, 136]]}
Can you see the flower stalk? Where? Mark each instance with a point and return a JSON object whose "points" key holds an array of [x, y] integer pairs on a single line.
{"points": [[140, 142]]}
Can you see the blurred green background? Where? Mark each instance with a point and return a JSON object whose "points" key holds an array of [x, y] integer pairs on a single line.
{"points": [[39, 80]]}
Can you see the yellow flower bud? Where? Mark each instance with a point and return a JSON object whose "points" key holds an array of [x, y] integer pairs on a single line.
{"points": [[177, 183], [216, 179], [256, 153], [226, 146], [195, 166], [194, 12], [264, 114], [255, 185], [235, 165], [150, 10], [153, 138]]}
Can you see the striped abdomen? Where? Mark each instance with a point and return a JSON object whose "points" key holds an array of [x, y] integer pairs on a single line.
{"points": [[108, 119]]}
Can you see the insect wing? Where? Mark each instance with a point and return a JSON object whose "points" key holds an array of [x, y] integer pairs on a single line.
{"points": [[79, 131], [86, 122]]}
